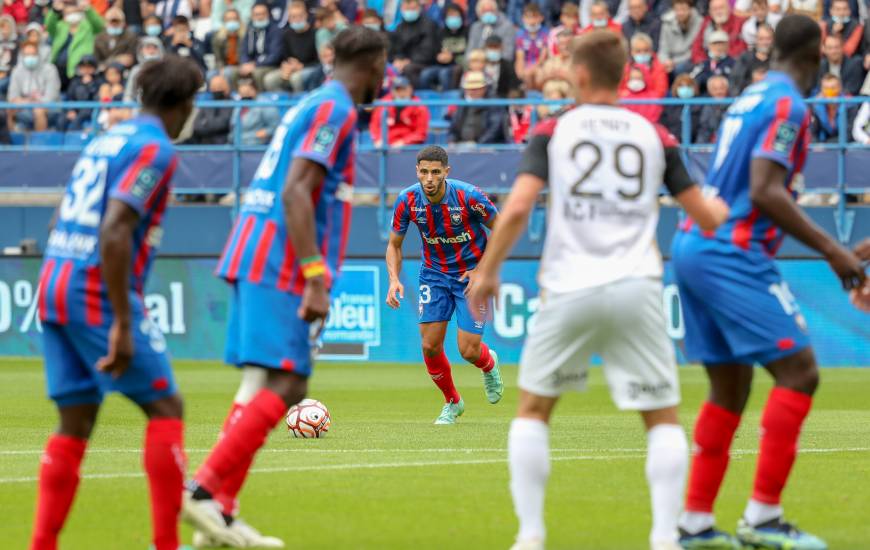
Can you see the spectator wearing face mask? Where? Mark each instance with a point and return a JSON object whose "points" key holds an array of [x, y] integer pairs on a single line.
{"points": [[617, 9], [491, 21], [328, 23], [826, 121], [477, 124], [415, 43], [183, 44], [599, 18], [85, 86], [680, 26], [300, 53], [257, 124], [636, 87], [722, 20], [499, 72], [454, 41], [263, 46], [8, 42], [33, 80], [641, 20], [750, 60], [150, 48], [73, 28], [116, 40], [718, 62], [711, 115], [406, 125], [211, 125], [760, 16], [569, 21], [153, 27], [34, 32], [834, 61], [521, 119], [842, 24], [531, 44], [227, 43], [684, 87], [643, 55]]}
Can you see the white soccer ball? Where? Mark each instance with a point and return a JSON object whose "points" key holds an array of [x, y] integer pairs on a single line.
{"points": [[308, 419]]}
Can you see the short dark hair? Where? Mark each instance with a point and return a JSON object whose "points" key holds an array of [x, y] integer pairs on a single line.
{"points": [[689, 3], [168, 82], [358, 43], [433, 153], [795, 38], [180, 20], [604, 54], [829, 76], [531, 9]]}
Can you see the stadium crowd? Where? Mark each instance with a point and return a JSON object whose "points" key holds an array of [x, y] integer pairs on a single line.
{"points": [[91, 50]]}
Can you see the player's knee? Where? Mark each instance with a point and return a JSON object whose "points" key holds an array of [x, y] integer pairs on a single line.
{"points": [[168, 407], [432, 349], [804, 380], [470, 351], [289, 386]]}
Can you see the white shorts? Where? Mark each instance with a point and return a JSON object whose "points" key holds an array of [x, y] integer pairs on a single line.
{"points": [[623, 323]]}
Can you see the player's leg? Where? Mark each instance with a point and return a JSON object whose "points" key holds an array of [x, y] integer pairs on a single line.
{"points": [[78, 398], [788, 404], [529, 460], [436, 307], [473, 349], [667, 462]]}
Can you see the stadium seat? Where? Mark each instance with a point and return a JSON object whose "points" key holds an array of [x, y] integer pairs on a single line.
{"points": [[204, 96], [46, 139], [18, 138], [365, 139], [76, 139]]}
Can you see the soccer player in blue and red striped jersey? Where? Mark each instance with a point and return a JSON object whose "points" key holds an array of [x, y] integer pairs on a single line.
{"points": [[281, 259], [97, 336], [452, 217], [737, 308]]}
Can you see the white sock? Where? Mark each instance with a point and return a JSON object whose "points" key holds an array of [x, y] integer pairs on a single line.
{"points": [[695, 522], [667, 462], [529, 458], [758, 512]]}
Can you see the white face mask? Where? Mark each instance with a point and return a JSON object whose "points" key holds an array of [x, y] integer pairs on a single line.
{"points": [[636, 85], [74, 18]]}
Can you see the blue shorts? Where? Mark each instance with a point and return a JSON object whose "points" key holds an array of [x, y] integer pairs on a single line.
{"points": [[736, 307], [440, 295], [71, 355], [265, 330]]}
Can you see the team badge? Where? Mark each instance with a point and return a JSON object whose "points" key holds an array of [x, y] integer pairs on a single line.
{"points": [[456, 218], [145, 182], [324, 140], [786, 134], [479, 208]]}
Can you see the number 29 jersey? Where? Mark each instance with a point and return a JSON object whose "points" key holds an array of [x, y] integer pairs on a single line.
{"points": [[604, 166], [133, 162]]}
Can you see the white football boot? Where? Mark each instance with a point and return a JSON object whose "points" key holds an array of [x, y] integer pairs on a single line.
{"points": [[533, 544], [205, 516], [252, 537]]}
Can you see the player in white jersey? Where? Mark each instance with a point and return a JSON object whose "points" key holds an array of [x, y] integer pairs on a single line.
{"points": [[600, 280]]}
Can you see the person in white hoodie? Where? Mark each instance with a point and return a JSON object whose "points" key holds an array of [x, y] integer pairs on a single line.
{"points": [[33, 80]]}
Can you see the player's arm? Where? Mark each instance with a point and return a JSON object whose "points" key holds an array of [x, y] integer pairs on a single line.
{"points": [[303, 179], [861, 296], [116, 251], [394, 268], [769, 194]]}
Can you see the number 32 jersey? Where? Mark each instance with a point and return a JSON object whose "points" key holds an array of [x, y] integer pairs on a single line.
{"points": [[604, 166], [133, 163]]}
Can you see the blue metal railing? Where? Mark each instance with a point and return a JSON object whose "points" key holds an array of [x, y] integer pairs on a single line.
{"points": [[844, 217]]}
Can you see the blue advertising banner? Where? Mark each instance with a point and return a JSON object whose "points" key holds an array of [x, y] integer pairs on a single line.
{"points": [[189, 305]]}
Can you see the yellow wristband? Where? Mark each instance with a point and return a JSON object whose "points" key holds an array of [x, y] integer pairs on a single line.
{"points": [[313, 269]]}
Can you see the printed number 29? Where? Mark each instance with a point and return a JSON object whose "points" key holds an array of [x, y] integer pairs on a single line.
{"points": [[425, 294], [85, 191]]}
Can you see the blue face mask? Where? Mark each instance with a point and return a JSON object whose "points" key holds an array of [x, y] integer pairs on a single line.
{"points": [[372, 26], [533, 28], [115, 31], [30, 61], [553, 109], [838, 19], [599, 23], [453, 22], [232, 26], [261, 24], [410, 15], [340, 26], [493, 56], [685, 92], [642, 58], [299, 26], [153, 30], [489, 18]]}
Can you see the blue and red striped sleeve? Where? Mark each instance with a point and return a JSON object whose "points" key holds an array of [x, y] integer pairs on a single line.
{"points": [[779, 137], [401, 215], [481, 206], [146, 177], [330, 126]]}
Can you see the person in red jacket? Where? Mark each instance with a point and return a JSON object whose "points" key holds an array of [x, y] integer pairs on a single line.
{"points": [[637, 87], [720, 19], [642, 54], [405, 125], [18, 9], [599, 13]]}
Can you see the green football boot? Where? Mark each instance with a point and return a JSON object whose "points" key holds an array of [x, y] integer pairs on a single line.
{"points": [[492, 382], [777, 535], [451, 412]]}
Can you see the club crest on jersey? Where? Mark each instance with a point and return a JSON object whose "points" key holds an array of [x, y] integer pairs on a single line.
{"points": [[324, 139], [786, 134], [456, 218], [145, 182], [479, 208]]}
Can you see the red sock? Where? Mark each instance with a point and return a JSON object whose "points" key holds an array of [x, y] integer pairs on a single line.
{"points": [[714, 431], [781, 424], [484, 362], [229, 491], [165, 466], [58, 480], [242, 440], [439, 370]]}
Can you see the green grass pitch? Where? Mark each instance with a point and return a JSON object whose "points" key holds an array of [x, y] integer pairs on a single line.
{"points": [[385, 477]]}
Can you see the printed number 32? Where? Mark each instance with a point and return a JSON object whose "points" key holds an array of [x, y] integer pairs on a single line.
{"points": [[85, 191]]}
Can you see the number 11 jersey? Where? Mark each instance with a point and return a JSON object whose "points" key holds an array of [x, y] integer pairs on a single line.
{"points": [[133, 163], [604, 167]]}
